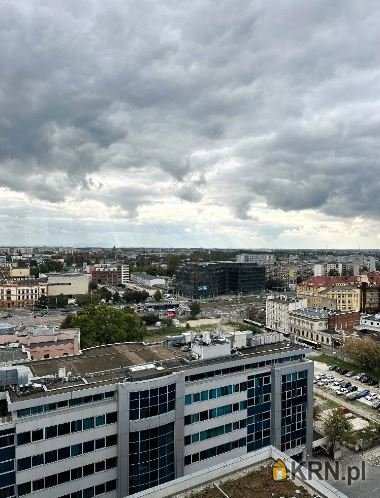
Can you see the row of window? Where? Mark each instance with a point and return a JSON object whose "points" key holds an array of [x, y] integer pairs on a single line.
{"points": [[66, 476], [37, 410], [66, 452], [152, 402], [215, 393], [215, 412], [215, 431], [100, 489], [216, 450], [241, 368], [66, 428]]}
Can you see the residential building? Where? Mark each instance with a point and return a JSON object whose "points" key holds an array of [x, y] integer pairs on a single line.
{"points": [[369, 323], [203, 280], [41, 342], [17, 272], [261, 259], [277, 311], [20, 293], [123, 418], [68, 284], [345, 292], [310, 325], [343, 321], [146, 280], [324, 269], [110, 274]]}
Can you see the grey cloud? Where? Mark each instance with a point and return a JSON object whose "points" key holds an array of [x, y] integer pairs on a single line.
{"points": [[285, 90]]}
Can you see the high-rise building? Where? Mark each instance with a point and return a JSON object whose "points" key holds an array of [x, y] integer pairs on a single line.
{"points": [[119, 419], [202, 280]]}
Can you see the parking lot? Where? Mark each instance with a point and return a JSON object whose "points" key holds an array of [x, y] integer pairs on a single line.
{"points": [[347, 387]]}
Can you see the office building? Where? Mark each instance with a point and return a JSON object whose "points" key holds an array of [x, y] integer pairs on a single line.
{"points": [[203, 280], [122, 418]]}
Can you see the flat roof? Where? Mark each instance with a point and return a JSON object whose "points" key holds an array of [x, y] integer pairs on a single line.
{"points": [[254, 484], [112, 363]]}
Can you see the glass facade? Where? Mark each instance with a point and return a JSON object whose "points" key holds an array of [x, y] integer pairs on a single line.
{"points": [[151, 457], [7, 463], [259, 411], [293, 409], [151, 402]]}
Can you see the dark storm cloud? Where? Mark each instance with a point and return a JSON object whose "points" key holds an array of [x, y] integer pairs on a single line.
{"points": [[286, 91]]}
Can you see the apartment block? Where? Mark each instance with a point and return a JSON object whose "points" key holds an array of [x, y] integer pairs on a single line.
{"points": [[123, 418], [110, 274], [277, 311], [20, 293]]}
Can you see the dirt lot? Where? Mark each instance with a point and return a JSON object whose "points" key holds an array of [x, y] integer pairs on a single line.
{"points": [[258, 484]]}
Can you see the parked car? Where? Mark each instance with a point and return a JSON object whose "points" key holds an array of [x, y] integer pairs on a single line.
{"points": [[350, 374], [358, 376], [343, 371], [352, 389], [362, 393]]}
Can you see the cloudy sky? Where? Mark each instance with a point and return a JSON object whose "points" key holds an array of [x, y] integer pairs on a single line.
{"points": [[212, 123]]}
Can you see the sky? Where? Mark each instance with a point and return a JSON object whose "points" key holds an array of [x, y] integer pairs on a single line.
{"points": [[202, 123]]}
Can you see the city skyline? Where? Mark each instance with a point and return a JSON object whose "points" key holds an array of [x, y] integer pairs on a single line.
{"points": [[190, 125]]}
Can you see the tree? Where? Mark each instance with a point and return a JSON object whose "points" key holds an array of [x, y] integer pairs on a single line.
{"points": [[195, 309], [157, 295], [104, 325], [365, 353], [336, 428]]}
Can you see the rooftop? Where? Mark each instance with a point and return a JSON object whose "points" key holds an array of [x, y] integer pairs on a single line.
{"points": [[312, 313], [248, 476], [115, 363]]}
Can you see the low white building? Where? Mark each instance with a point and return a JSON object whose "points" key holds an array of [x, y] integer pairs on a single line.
{"points": [[68, 284], [277, 311], [147, 280], [369, 322]]}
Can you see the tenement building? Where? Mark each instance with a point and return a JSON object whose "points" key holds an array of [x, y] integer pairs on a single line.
{"points": [[203, 280], [122, 418]]}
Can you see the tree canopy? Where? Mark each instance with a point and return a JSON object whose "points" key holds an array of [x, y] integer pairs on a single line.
{"points": [[365, 353], [104, 325], [195, 309], [336, 428]]}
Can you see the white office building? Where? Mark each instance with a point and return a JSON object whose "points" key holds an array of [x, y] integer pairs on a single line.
{"points": [[123, 418]]}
